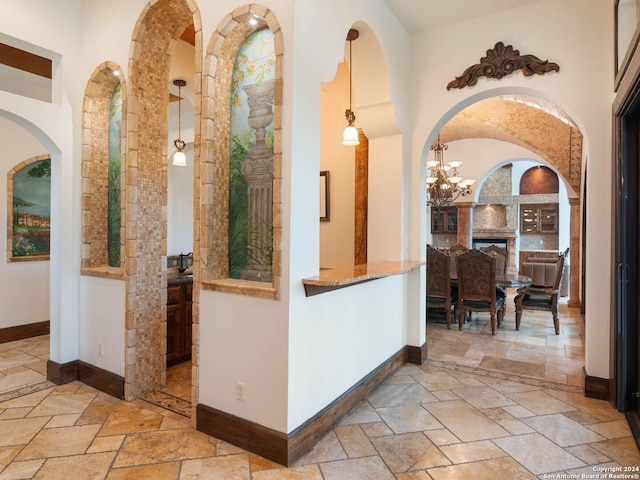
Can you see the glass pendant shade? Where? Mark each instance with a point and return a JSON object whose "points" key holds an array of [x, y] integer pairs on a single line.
{"points": [[179, 159], [350, 136]]}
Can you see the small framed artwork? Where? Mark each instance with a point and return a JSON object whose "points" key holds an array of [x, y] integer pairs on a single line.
{"points": [[324, 196]]}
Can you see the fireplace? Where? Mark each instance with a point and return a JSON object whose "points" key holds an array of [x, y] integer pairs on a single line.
{"points": [[487, 242], [502, 237]]}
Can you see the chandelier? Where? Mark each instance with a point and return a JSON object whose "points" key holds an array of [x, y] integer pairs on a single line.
{"points": [[444, 183]]}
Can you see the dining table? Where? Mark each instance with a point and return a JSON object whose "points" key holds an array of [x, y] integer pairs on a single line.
{"points": [[505, 280]]}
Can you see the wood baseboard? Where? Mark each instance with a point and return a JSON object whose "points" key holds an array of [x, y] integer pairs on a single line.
{"points": [[101, 379], [61, 373], [93, 376], [286, 449], [595, 387], [20, 332], [417, 355]]}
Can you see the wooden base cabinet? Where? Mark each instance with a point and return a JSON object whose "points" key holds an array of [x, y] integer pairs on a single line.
{"points": [[179, 323]]}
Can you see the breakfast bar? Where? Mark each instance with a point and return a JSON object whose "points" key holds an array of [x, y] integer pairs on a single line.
{"points": [[335, 278]]}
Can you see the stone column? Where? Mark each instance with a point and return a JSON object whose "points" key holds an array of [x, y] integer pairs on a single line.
{"points": [[258, 171], [465, 223], [574, 254]]}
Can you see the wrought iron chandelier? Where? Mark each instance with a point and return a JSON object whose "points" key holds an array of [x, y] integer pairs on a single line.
{"points": [[444, 183]]}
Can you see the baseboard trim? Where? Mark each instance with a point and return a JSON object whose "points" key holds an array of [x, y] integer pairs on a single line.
{"points": [[91, 375], [417, 355], [61, 373], [20, 332], [101, 379], [595, 387], [286, 449]]}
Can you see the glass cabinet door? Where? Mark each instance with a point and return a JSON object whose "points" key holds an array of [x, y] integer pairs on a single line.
{"points": [[437, 221], [529, 220], [548, 220], [452, 221]]}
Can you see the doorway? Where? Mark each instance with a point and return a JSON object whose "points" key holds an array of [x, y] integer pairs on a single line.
{"points": [[626, 260]]}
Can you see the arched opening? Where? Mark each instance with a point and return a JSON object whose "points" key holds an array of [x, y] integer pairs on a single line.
{"points": [[353, 218], [499, 135], [160, 26]]}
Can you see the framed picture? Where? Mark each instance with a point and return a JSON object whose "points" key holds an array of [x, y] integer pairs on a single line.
{"points": [[29, 211], [324, 196], [627, 34]]}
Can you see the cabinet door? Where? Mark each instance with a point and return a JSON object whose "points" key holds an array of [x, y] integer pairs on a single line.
{"points": [[175, 336], [437, 221], [529, 220], [548, 220]]}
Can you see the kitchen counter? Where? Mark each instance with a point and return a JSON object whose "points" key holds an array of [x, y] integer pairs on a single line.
{"points": [[175, 278], [333, 279]]}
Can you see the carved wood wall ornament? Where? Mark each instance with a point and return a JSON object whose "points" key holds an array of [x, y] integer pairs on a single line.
{"points": [[500, 62]]}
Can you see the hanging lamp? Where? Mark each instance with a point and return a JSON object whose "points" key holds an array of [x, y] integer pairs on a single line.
{"points": [[350, 135], [444, 183], [179, 158]]}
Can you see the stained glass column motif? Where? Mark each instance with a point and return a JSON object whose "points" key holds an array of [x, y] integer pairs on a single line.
{"points": [[258, 172]]}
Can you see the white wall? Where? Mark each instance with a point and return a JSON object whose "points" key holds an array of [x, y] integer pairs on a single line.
{"points": [[56, 26], [576, 46], [24, 286], [102, 333]]}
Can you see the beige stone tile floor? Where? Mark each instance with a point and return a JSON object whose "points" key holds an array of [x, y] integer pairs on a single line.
{"points": [[466, 413]]}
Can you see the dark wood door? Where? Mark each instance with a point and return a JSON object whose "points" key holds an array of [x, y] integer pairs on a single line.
{"points": [[626, 264]]}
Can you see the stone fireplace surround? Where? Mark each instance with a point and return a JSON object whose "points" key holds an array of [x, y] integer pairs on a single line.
{"points": [[505, 234]]}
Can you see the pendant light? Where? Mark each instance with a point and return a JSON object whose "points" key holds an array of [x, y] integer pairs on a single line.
{"points": [[179, 158], [350, 135]]}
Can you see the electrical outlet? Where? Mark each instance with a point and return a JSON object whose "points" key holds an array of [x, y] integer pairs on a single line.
{"points": [[240, 391], [100, 349]]}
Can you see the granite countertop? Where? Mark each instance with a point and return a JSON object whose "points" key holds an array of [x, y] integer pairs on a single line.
{"points": [[175, 278], [332, 279]]}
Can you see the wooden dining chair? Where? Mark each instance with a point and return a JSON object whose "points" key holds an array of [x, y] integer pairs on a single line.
{"points": [[440, 294], [502, 261], [477, 287], [542, 297], [501, 256], [454, 252]]}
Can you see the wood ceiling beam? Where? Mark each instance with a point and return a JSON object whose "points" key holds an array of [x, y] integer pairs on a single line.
{"points": [[25, 61]]}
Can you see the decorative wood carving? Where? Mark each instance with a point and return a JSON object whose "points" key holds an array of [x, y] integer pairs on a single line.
{"points": [[500, 62]]}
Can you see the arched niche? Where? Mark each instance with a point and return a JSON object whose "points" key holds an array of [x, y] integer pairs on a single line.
{"points": [[102, 146], [213, 241]]}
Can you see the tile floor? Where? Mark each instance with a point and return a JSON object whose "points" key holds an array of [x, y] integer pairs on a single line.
{"points": [[484, 407]]}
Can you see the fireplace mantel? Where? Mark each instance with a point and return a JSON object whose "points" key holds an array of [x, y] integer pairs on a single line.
{"points": [[494, 232]]}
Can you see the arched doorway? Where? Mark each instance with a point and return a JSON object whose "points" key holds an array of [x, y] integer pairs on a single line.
{"points": [[160, 25]]}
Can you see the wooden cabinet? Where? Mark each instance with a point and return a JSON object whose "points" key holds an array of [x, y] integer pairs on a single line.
{"points": [[179, 322], [539, 218], [445, 220]]}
